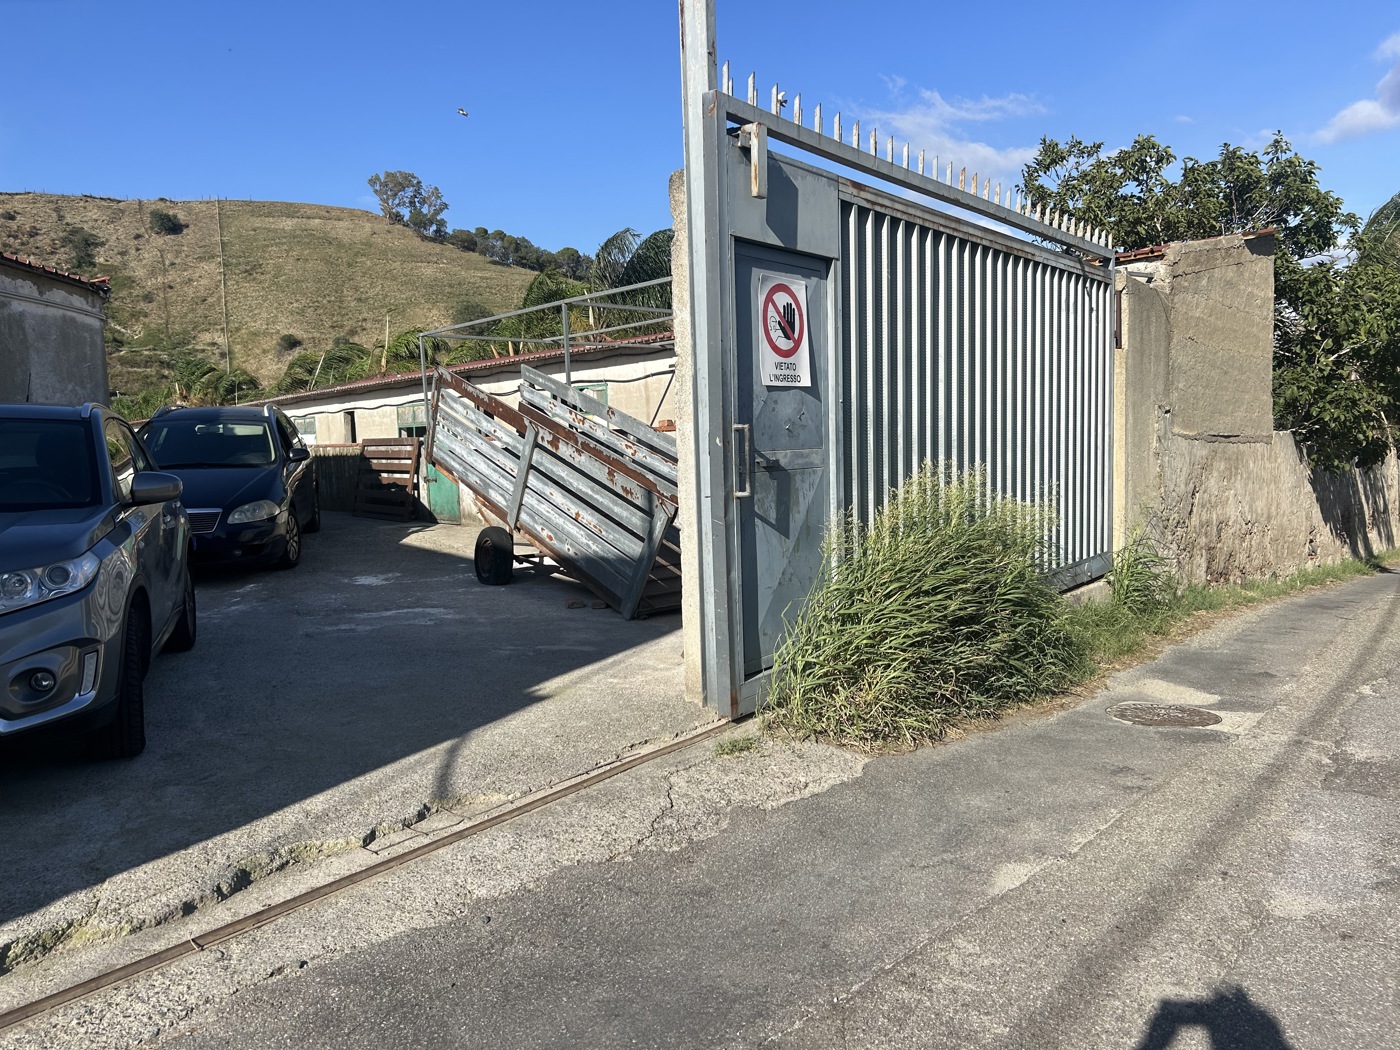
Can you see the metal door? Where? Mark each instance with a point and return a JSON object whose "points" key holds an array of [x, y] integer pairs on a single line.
{"points": [[443, 499], [780, 455]]}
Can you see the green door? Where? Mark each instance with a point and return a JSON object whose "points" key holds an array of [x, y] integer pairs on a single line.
{"points": [[442, 496]]}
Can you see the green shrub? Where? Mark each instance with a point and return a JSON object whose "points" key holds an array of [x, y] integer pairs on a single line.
{"points": [[936, 612], [288, 343], [166, 223], [1142, 579], [82, 247]]}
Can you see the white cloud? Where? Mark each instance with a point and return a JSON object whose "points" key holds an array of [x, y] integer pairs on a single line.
{"points": [[1371, 114], [933, 124], [1184, 119]]}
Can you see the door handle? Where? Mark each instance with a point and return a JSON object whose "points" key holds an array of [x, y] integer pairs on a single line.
{"points": [[746, 460]]}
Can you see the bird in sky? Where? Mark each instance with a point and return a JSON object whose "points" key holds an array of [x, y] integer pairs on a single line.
{"points": [[461, 111]]}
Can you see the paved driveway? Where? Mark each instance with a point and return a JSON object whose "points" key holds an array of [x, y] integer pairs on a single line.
{"points": [[323, 710]]}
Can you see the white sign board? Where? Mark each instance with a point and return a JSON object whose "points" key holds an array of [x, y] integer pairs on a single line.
{"points": [[783, 352]]}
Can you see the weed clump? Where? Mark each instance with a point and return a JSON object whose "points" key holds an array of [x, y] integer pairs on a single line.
{"points": [[935, 612]]}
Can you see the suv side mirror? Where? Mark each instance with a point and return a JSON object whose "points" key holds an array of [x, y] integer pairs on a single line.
{"points": [[152, 486], [298, 455]]}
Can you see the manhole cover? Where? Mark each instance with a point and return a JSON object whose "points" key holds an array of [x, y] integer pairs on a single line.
{"points": [[1163, 715]]}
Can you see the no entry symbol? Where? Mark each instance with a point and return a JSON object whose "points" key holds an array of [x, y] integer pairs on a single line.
{"points": [[783, 323]]}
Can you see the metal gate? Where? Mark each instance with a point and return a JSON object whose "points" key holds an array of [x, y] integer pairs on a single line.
{"points": [[844, 334]]}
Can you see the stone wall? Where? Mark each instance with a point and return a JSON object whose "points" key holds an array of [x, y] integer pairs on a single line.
{"points": [[1199, 464]]}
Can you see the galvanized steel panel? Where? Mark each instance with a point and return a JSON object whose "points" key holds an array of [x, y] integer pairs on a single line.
{"points": [[964, 352]]}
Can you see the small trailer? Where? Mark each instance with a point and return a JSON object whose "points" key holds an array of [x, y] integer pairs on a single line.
{"points": [[585, 486]]}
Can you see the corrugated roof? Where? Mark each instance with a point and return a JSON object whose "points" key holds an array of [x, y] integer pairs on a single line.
{"points": [[100, 285], [486, 365]]}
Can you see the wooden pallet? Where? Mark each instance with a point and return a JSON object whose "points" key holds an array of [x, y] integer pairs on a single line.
{"points": [[387, 485]]}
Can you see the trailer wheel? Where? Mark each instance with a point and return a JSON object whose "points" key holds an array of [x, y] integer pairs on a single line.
{"points": [[495, 557]]}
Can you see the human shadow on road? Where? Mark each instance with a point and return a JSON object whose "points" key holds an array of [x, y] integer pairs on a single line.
{"points": [[1231, 1019]]}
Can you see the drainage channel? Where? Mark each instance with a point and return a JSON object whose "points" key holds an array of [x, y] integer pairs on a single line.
{"points": [[275, 912]]}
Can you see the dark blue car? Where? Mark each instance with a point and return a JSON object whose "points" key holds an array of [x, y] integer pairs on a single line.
{"points": [[250, 485]]}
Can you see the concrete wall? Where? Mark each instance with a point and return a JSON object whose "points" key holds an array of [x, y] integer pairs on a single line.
{"points": [[51, 348], [1199, 463]]}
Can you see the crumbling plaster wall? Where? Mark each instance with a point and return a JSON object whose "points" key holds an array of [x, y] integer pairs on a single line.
{"points": [[1200, 465], [51, 349]]}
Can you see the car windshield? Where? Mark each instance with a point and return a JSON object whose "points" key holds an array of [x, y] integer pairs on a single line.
{"points": [[47, 464], [174, 443]]}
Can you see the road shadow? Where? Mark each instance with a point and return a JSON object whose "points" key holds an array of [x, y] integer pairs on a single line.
{"points": [[1230, 1018], [380, 663]]}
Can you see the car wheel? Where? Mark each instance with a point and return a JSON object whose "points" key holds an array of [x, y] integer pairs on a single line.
{"points": [[495, 556], [181, 639], [291, 555], [314, 525], [125, 735]]}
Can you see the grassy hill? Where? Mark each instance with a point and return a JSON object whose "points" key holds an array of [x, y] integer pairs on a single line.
{"points": [[263, 269]]}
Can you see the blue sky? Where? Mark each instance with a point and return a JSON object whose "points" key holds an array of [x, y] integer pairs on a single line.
{"points": [[575, 119]]}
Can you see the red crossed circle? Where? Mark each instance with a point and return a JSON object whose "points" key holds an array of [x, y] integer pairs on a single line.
{"points": [[795, 333]]}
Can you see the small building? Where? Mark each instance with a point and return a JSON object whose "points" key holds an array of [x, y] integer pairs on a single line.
{"points": [[635, 378], [51, 325]]}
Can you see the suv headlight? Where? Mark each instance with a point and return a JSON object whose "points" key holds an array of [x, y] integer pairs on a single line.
{"points": [[256, 511], [26, 587]]}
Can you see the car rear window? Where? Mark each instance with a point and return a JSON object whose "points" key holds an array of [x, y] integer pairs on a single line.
{"points": [[174, 443], [47, 464]]}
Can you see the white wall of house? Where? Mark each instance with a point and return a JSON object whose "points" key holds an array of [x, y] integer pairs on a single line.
{"points": [[638, 383]]}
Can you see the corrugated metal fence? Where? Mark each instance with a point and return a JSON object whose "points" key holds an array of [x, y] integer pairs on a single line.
{"points": [[962, 349]]}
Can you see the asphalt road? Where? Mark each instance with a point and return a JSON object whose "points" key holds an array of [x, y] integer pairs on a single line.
{"points": [[1069, 881]]}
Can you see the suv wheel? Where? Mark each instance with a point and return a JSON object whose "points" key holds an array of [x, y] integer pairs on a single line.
{"points": [[125, 735], [181, 639]]}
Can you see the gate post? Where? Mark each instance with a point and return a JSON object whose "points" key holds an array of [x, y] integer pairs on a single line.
{"points": [[701, 445]]}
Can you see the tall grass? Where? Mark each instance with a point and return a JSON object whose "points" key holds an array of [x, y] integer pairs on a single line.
{"points": [[935, 612]]}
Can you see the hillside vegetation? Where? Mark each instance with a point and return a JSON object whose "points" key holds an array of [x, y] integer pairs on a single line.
{"points": [[264, 269]]}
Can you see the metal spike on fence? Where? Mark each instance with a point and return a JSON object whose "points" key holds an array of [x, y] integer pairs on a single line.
{"points": [[949, 179], [1008, 193], [836, 126], [889, 149], [906, 156], [974, 183], [855, 134], [753, 89], [817, 118], [1018, 201], [962, 178], [797, 109], [874, 144], [987, 190], [775, 106], [725, 84], [921, 162]]}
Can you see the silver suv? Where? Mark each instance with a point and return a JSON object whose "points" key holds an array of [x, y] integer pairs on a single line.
{"points": [[94, 574]]}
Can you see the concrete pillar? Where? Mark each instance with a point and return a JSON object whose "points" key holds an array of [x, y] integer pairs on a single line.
{"points": [[683, 400]]}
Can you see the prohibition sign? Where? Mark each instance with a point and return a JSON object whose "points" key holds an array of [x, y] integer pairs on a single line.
{"points": [[788, 318]]}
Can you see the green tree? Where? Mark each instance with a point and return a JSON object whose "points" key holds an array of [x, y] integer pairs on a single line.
{"points": [[1337, 354], [405, 201], [1132, 193]]}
